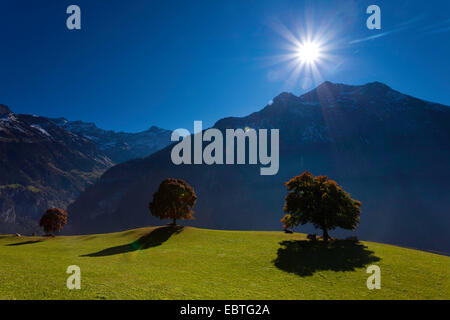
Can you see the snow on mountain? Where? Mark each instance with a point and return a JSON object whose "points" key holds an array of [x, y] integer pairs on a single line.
{"points": [[42, 166], [120, 146], [48, 162]]}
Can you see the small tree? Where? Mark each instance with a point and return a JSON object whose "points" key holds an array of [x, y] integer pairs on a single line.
{"points": [[53, 220], [319, 201], [174, 199]]}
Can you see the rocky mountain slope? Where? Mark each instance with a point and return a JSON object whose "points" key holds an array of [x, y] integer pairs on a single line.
{"points": [[119, 146], [387, 149], [47, 163], [42, 165]]}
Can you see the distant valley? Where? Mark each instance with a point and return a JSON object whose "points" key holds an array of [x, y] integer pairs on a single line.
{"points": [[48, 162], [388, 149]]}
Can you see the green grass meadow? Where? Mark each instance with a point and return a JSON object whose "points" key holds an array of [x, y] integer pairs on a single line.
{"points": [[191, 263]]}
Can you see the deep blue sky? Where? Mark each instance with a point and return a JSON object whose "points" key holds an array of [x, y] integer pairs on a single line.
{"points": [[140, 63]]}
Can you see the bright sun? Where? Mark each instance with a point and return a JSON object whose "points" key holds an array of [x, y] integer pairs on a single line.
{"points": [[308, 52]]}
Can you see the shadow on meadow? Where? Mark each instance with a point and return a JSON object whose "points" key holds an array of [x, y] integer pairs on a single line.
{"points": [[22, 243], [155, 238], [304, 257]]}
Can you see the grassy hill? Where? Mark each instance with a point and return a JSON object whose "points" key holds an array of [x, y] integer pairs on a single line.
{"points": [[190, 263]]}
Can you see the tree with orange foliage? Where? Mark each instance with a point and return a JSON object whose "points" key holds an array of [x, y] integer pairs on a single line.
{"points": [[53, 220], [321, 202], [174, 200]]}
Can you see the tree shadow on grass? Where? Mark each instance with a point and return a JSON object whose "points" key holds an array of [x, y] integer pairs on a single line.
{"points": [[304, 257], [155, 238], [22, 243]]}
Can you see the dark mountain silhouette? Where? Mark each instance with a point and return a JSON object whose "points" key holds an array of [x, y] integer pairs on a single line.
{"points": [[389, 150], [47, 164]]}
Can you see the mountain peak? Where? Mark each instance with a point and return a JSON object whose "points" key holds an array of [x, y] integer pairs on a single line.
{"points": [[284, 97], [59, 121], [328, 93], [371, 85], [377, 84], [326, 84], [4, 110], [154, 129]]}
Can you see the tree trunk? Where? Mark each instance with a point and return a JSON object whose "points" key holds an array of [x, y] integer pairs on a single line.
{"points": [[325, 235]]}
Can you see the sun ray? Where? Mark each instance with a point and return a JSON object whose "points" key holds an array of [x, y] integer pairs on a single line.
{"points": [[308, 51]]}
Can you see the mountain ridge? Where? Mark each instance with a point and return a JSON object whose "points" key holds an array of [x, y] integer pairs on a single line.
{"points": [[120, 146], [387, 149], [42, 166], [45, 164], [328, 88]]}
